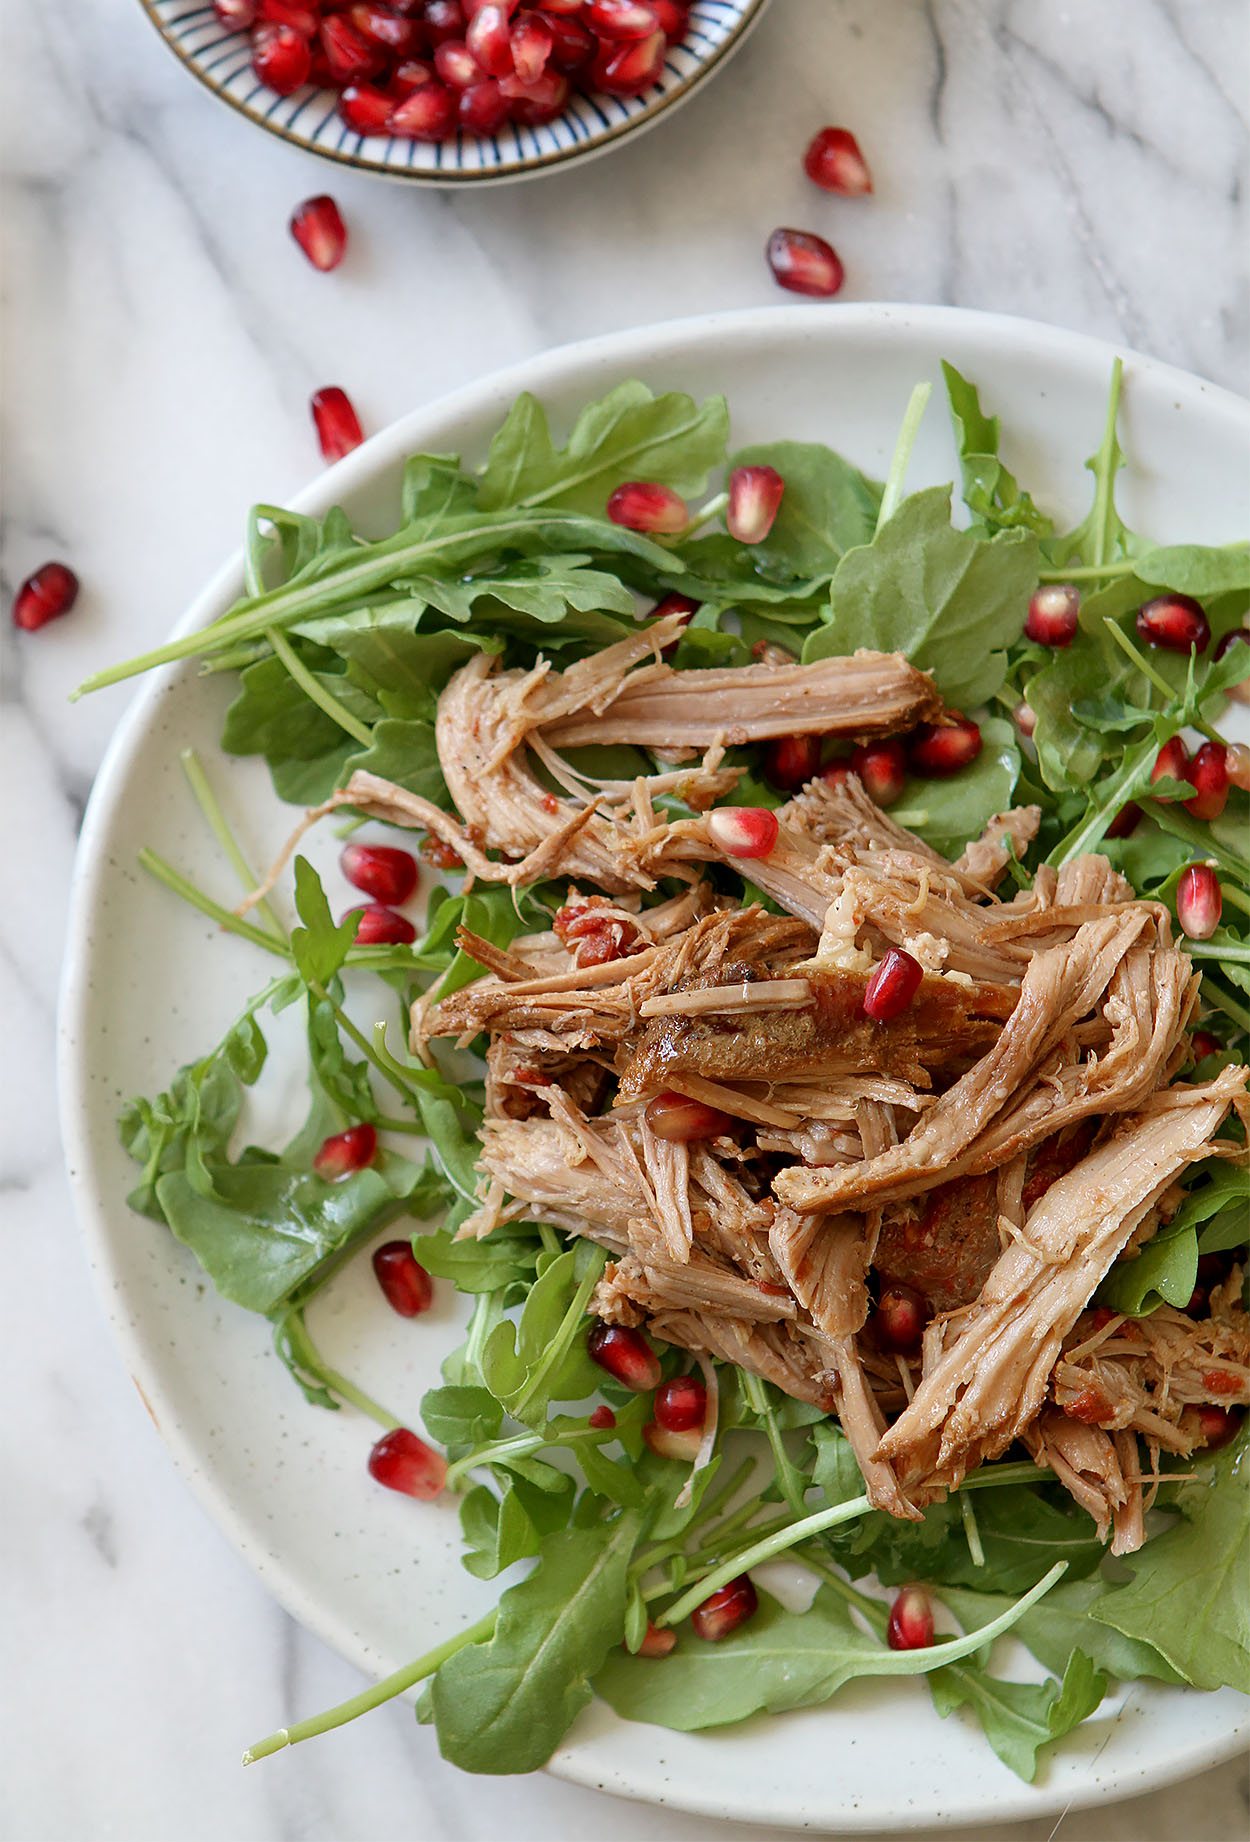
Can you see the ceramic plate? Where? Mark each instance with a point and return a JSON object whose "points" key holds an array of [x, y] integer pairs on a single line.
{"points": [[309, 118], [149, 983]]}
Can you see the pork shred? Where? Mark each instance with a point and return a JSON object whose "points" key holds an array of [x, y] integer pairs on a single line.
{"points": [[998, 1147]]}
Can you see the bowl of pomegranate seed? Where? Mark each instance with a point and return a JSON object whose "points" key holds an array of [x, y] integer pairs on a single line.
{"points": [[446, 91]]}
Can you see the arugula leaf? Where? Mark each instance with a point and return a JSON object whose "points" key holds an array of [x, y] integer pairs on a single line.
{"points": [[1203, 570], [947, 812], [990, 492], [1061, 1624], [503, 1530], [319, 947], [501, 1259], [1021, 1717], [1166, 1269], [1102, 536]]}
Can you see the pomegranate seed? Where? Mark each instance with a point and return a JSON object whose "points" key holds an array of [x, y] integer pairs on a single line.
{"points": [[1237, 765], [427, 113], [621, 18], [669, 1442], [1175, 622], [754, 500], [1024, 718], [899, 1320], [681, 1403], [835, 774], [384, 27], [791, 761], [338, 426], [911, 1620], [537, 102], [471, 7], [280, 58], [482, 108], [319, 73], [572, 43], [456, 65], [674, 604], [531, 46], [681, 1121], [561, 9], [1053, 616], [346, 1152], [882, 766], [1208, 771], [403, 1462], [490, 40], [49, 593], [744, 831], [1171, 763], [1218, 1424], [630, 66], [365, 109], [382, 927], [602, 1419], [833, 160], [1126, 821], [408, 76], [1199, 901], [892, 986], [765, 653], [407, 1286], [672, 18], [1239, 692], [642, 505], [658, 1641], [236, 15], [300, 15], [351, 57], [320, 232], [804, 263], [1202, 1043], [725, 1610], [626, 1355], [444, 19], [387, 874], [940, 749]]}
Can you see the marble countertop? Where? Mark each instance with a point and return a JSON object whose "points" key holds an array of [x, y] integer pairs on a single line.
{"points": [[1080, 163]]}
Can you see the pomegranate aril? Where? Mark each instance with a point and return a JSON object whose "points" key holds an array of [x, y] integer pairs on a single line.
{"points": [[386, 873], [482, 108], [346, 1152], [791, 761], [671, 1442], [456, 65], [1237, 765], [1054, 614], [937, 749], [1208, 773], [320, 232], [674, 604], [405, 1463], [425, 114], [365, 109], [621, 18], [1024, 718], [531, 46], [835, 774], [744, 831], [804, 263], [338, 426], [1171, 763], [563, 9], [893, 985], [672, 18], [626, 1355], [384, 27], [280, 58], [406, 77], [681, 1403], [489, 38], [1238, 636], [1218, 1425], [1202, 1043], [572, 43], [382, 927], [351, 57], [49, 593], [236, 15], [407, 1286], [899, 1319], [882, 767], [725, 1610], [602, 1419], [764, 652], [1175, 622], [300, 15], [680, 1121], [658, 1641], [1199, 901], [643, 505], [754, 501], [1126, 821], [444, 19], [537, 102], [630, 67], [910, 1625], [833, 161]]}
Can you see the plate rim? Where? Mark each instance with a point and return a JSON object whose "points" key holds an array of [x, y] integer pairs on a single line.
{"points": [[541, 371]]}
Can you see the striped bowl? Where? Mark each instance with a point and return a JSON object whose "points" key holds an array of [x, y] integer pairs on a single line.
{"points": [[309, 118]]}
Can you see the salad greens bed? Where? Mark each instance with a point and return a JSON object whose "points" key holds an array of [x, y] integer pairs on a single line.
{"points": [[342, 646]]}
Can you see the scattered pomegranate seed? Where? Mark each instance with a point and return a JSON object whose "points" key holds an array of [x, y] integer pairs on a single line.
{"points": [[301, 16], [765, 653], [602, 1419], [280, 58], [236, 15], [406, 1284], [427, 113], [899, 1320], [1053, 616], [725, 1610], [49, 593], [681, 1403], [744, 831], [387, 874], [911, 1620], [621, 18], [531, 46], [1171, 763], [382, 927], [320, 232], [658, 1641], [791, 761], [1218, 1425], [1126, 821], [626, 1355], [1239, 692], [455, 65], [405, 1463], [684, 1122], [835, 774], [1024, 718], [754, 500], [834, 162], [1199, 901], [893, 985], [386, 27], [1175, 622], [346, 1152], [804, 263], [882, 766], [338, 426], [482, 108], [940, 749], [365, 109], [1203, 1043], [1208, 772], [672, 1442], [642, 505], [674, 604], [630, 67]]}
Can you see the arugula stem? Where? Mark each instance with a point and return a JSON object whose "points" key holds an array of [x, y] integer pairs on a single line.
{"points": [[1239, 900], [705, 515], [1224, 1000], [520, 1445], [871, 1609], [766, 1550], [362, 1042], [1104, 499], [971, 1530], [212, 811], [1148, 671], [787, 1476], [1087, 572], [893, 493], [370, 1698], [309, 1356], [312, 687], [233, 924]]}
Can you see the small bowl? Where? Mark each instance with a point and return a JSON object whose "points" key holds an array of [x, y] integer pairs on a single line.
{"points": [[309, 118]]}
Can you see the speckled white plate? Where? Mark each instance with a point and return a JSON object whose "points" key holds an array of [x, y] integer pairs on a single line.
{"points": [[149, 984], [309, 118]]}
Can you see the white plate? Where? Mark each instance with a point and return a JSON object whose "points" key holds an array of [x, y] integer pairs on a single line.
{"points": [[149, 984]]}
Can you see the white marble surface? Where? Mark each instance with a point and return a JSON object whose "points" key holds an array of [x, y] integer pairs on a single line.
{"points": [[1082, 163]]}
